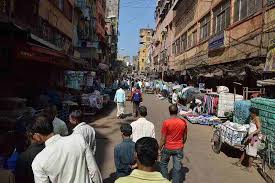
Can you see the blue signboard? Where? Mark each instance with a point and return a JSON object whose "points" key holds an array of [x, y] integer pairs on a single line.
{"points": [[216, 42]]}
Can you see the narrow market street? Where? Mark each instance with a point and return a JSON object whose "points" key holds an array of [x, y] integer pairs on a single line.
{"points": [[201, 164]]}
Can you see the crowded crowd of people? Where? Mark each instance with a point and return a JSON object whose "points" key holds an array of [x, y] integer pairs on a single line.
{"points": [[57, 152]]}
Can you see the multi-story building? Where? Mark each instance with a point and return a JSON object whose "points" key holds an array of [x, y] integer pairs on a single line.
{"points": [[85, 38], [100, 29], [35, 42], [164, 35], [146, 36], [224, 38], [112, 20]]}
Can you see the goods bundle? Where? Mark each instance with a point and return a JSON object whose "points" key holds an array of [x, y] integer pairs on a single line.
{"points": [[241, 112], [226, 103], [233, 133]]}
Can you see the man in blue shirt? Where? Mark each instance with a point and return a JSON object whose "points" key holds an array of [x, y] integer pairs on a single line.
{"points": [[120, 99], [124, 152]]}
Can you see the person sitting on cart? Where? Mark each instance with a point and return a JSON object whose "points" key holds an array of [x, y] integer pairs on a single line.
{"points": [[252, 141]]}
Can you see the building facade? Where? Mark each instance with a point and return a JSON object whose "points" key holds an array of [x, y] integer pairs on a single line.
{"points": [[112, 23], [100, 30], [85, 38], [206, 34], [146, 37]]}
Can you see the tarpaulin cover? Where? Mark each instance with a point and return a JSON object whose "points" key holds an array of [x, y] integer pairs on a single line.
{"points": [[241, 112]]}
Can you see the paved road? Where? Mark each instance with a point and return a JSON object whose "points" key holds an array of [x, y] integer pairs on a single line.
{"points": [[200, 163]]}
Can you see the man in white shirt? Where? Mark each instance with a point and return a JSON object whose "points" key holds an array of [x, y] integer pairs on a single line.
{"points": [[142, 127], [64, 159], [120, 99], [87, 132]]}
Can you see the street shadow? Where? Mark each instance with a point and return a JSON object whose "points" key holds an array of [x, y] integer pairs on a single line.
{"points": [[106, 111], [110, 179], [183, 172], [227, 150]]}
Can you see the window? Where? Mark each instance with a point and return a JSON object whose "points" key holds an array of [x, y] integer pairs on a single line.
{"points": [[178, 46], [221, 17], [174, 48], [148, 39], [205, 27], [183, 42], [192, 39], [245, 8]]}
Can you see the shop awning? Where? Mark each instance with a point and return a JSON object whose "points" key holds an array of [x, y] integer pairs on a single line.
{"points": [[33, 52]]}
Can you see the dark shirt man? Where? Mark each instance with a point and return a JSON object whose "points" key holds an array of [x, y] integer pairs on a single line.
{"points": [[23, 170], [173, 138], [124, 152]]}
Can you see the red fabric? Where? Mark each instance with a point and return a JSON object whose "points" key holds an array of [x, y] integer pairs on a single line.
{"points": [[173, 130]]}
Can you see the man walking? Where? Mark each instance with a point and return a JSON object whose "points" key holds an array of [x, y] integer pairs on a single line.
{"points": [[173, 138], [120, 99], [147, 154], [80, 127], [142, 127], [124, 152], [136, 99], [64, 159]]}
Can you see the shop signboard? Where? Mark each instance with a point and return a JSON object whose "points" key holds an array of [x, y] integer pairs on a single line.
{"points": [[216, 42], [270, 58]]}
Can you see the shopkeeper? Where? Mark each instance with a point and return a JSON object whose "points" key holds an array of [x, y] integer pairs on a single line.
{"points": [[252, 140]]}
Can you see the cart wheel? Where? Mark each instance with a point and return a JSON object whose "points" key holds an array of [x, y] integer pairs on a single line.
{"points": [[216, 141]]}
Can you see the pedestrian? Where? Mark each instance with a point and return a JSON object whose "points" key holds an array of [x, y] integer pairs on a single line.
{"points": [[64, 159], [59, 126], [173, 138], [136, 99], [120, 99], [23, 171], [80, 127], [174, 97], [142, 127], [124, 152], [252, 141], [147, 154]]}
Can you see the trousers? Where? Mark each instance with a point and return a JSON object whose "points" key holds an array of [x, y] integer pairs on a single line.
{"points": [[177, 156], [135, 108], [120, 109]]}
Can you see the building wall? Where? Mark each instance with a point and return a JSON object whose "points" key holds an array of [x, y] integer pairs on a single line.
{"points": [[243, 39], [50, 12], [100, 18], [164, 34]]}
